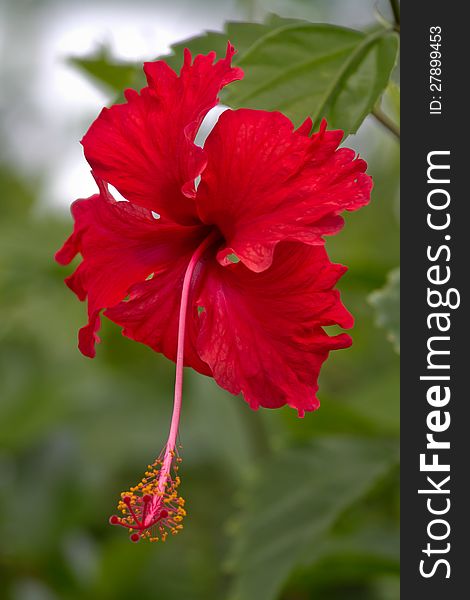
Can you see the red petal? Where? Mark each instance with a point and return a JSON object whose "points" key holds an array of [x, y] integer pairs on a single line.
{"points": [[151, 315], [261, 333], [145, 147], [121, 245], [266, 182]]}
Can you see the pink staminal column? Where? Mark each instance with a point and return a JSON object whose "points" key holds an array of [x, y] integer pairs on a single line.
{"points": [[153, 508]]}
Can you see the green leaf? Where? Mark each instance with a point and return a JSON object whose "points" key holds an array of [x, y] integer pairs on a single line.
{"points": [[391, 101], [241, 34], [307, 69], [105, 70], [386, 302], [291, 504], [300, 68], [386, 588], [200, 44], [303, 68]]}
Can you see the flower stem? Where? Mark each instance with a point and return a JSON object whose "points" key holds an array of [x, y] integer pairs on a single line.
{"points": [[396, 13], [175, 418], [386, 122]]}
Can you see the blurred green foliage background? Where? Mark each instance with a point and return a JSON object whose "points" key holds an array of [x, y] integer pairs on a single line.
{"points": [[278, 507]]}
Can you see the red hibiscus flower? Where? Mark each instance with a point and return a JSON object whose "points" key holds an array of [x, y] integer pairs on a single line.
{"points": [[229, 277]]}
